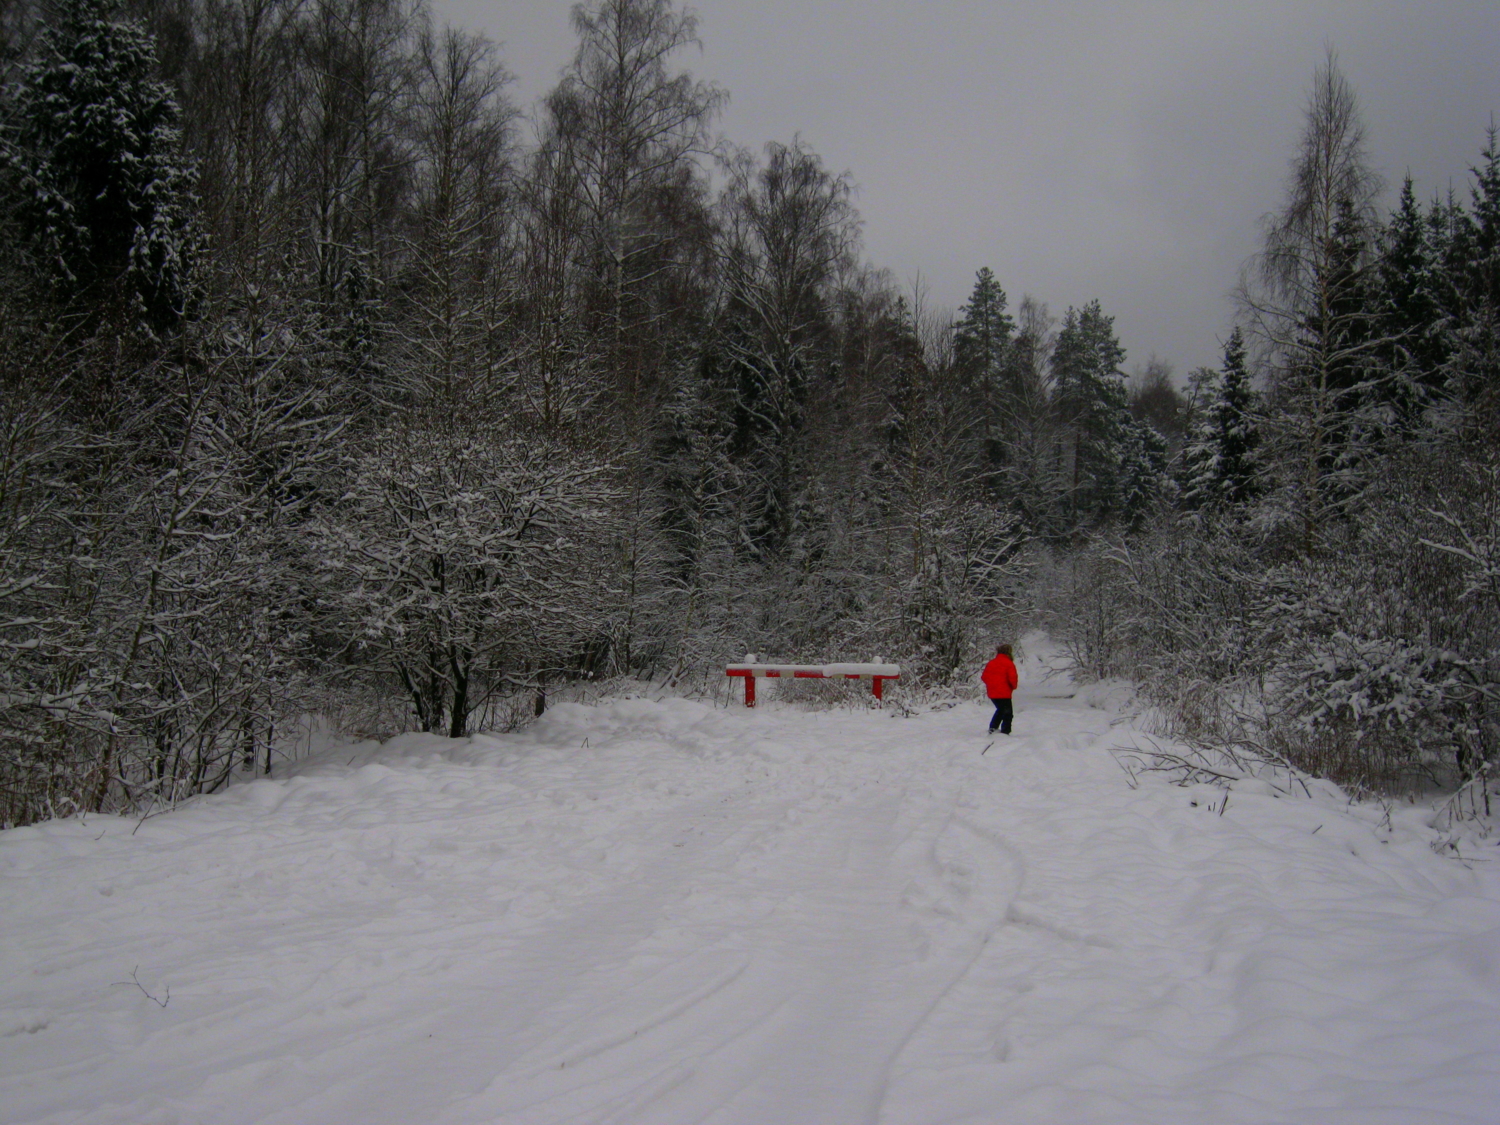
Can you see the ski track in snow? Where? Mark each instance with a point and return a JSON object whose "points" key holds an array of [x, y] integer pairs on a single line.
{"points": [[719, 916]]}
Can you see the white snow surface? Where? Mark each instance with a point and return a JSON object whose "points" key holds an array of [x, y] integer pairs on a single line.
{"points": [[656, 911]]}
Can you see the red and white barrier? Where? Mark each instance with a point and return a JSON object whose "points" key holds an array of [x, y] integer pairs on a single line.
{"points": [[877, 674]]}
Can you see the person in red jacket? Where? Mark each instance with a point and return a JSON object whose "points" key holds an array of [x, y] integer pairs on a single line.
{"points": [[1000, 680]]}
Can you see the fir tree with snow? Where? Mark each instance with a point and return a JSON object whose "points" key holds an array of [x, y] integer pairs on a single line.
{"points": [[106, 193], [982, 335], [1409, 308], [1220, 463], [1101, 438], [1142, 473]]}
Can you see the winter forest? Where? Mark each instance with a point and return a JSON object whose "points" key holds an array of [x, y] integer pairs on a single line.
{"points": [[334, 387]]}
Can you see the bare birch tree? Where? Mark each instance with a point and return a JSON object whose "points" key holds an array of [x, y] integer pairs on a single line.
{"points": [[1306, 305]]}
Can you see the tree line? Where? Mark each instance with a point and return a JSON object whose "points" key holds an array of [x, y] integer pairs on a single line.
{"points": [[331, 385], [1325, 590]]}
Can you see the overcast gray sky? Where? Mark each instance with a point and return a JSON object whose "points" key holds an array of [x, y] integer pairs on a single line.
{"points": [[1122, 151]]}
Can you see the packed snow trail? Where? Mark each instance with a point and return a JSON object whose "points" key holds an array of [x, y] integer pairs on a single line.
{"points": [[660, 912]]}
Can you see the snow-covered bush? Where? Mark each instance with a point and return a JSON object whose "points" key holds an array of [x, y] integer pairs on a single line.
{"points": [[1375, 663], [465, 560]]}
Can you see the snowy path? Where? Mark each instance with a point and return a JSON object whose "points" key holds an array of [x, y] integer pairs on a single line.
{"points": [[660, 913]]}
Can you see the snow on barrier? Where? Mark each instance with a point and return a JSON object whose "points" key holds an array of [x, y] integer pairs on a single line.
{"points": [[750, 671]]}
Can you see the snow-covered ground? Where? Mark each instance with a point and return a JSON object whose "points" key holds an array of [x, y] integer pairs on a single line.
{"points": [[661, 912]]}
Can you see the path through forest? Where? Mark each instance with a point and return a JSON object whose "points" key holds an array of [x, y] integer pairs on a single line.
{"points": [[659, 911]]}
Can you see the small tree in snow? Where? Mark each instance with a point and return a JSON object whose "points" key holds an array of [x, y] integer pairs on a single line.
{"points": [[1220, 466]]}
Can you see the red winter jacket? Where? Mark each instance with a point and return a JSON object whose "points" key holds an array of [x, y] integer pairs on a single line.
{"points": [[1000, 677]]}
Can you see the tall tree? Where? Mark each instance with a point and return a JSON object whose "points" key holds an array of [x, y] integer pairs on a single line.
{"points": [[954, 549], [1477, 262], [349, 161], [457, 283], [982, 335], [1089, 393], [106, 196], [240, 100], [622, 137], [1027, 427], [1221, 458], [618, 246], [790, 232], [1411, 319], [1309, 305]]}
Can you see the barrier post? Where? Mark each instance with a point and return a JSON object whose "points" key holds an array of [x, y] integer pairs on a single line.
{"points": [[749, 678], [877, 673]]}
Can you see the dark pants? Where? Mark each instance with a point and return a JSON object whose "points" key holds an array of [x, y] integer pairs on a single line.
{"points": [[1003, 716]]}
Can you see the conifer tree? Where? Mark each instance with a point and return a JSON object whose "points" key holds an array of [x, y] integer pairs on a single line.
{"points": [[988, 368], [1221, 462], [1310, 308], [106, 194], [1089, 391], [1408, 308], [982, 336], [1477, 267], [1141, 474]]}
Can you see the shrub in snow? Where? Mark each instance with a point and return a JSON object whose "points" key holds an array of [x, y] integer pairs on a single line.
{"points": [[466, 561], [1376, 665]]}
